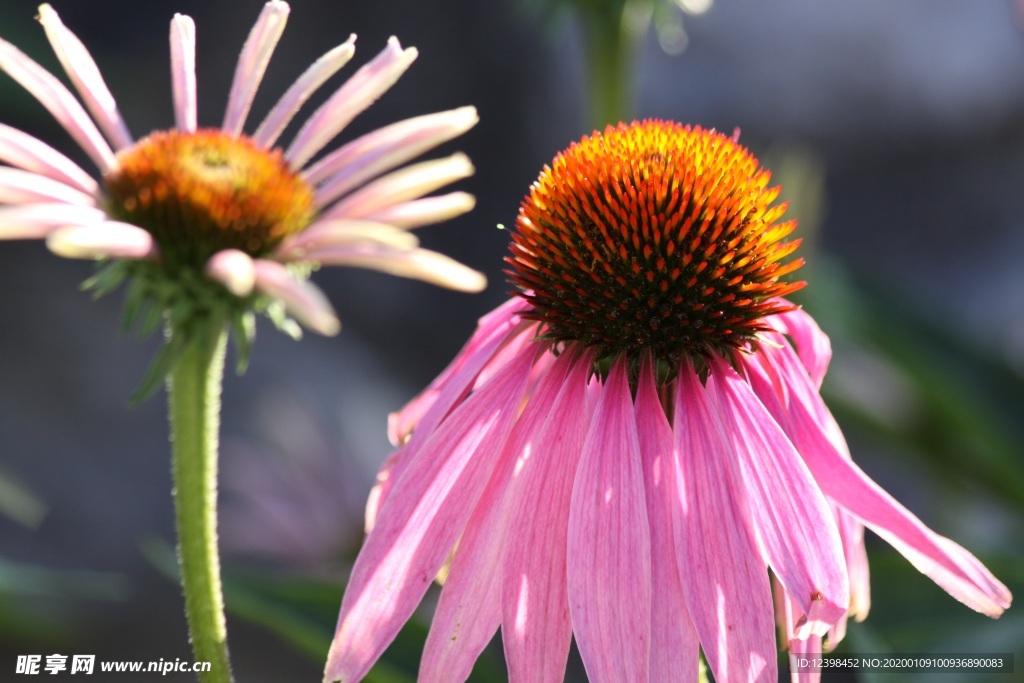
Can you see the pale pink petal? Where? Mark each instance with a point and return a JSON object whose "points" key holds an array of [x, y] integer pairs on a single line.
{"points": [[301, 90], [24, 151], [791, 518], [234, 269], [469, 610], [301, 298], [25, 187], [351, 99], [812, 344], [536, 630], [674, 642], [59, 102], [35, 221], [609, 544], [86, 77], [183, 72], [411, 182], [420, 264], [425, 211], [105, 240], [808, 650], [722, 573], [341, 233], [252, 64], [380, 490], [386, 148], [820, 443], [421, 520], [852, 533]]}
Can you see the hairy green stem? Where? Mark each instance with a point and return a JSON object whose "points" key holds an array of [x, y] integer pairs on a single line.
{"points": [[194, 397]]}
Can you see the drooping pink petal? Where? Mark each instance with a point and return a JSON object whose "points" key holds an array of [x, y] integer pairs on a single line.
{"points": [[59, 102], [343, 233], [183, 72], [609, 544], [26, 152], [411, 182], [234, 269], [536, 628], [469, 610], [105, 240], [252, 64], [25, 187], [723, 576], [812, 344], [421, 520], [425, 211], [820, 443], [419, 264], [674, 642], [301, 298], [791, 518], [808, 650], [386, 148], [35, 221], [86, 77], [350, 100], [380, 490], [301, 90], [852, 533]]}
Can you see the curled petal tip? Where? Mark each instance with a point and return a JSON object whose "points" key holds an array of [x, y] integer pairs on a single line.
{"points": [[234, 269]]}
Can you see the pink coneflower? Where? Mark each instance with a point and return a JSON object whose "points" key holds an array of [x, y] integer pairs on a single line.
{"points": [[621, 452], [190, 206]]}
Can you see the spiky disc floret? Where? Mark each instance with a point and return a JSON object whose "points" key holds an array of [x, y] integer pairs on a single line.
{"points": [[198, 193], [653, 236]]}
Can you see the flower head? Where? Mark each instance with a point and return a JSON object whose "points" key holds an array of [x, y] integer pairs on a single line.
{"points": [[212, 221], [631, 451]]}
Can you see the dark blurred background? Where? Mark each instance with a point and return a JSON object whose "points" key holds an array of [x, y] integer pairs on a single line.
{"points": [[897, 130]]}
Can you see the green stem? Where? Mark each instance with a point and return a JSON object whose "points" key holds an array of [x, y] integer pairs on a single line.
{"points": [[609, 43], [194, 398]]}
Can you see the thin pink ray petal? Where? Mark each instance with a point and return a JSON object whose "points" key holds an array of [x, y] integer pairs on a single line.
{"points": [[25, 187], [421, 520], [26, 152], [609, 544], [536, 629], [234, 269], [812, 344], [252, 64], [469, 610], [674, 643], [791, 518], [35, 221], [808, 649], [301, 90], [350, 100], [86, 77], [386, 148], [426, 211], [419, 264], [342, 233], [380, 490], [722, 573], [852, 533], [105, 240], [411, 182], [821, 445], [302, 299], [183, 72], [59, 102]]}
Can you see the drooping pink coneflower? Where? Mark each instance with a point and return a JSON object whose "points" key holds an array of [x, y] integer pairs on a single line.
{"points": [[627, 450]]}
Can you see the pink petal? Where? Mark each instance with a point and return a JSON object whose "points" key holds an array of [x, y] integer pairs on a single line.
{"points": [[343, 233], [358, 93], [674, 641], [469, 610], [426, 211], [106, 240], [809, 649], [421, 520], [386, 148], [183, 72], [852, 533], [420, 264], [536, 629], [380, 489], [399, 186], [791, 519], [723, 576], [301, 90], [26, 152], [59, 102], [301, 298], [609, 544], [252, 64], [812, 344], [820, 443], [35, 221], [86, 77], [25, 187], [234, 269]]}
